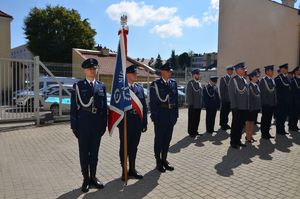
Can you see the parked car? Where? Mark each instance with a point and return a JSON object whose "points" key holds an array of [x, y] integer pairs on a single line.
{"points": [[181, 98], [181, 88], [51, 102], [44, 83], [52, 99]]}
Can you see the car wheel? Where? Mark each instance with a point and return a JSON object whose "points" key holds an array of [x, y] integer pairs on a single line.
{"points": [[54, 109]]}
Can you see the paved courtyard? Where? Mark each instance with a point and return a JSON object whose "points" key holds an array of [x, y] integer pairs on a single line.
{"points": [[43, 163]]}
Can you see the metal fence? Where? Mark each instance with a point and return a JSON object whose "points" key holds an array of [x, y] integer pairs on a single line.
{"points": [[15, 76], [20, 96]]}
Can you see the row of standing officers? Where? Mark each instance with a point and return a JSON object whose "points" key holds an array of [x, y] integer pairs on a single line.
{"points": [[277, 97]]}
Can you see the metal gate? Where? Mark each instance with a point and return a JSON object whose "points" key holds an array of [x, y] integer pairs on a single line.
{"points": [[20, 98]]}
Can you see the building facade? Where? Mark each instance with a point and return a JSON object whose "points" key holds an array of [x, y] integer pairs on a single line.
{"points": [[204, 61], [21, 52], [5, 40], [258, 32]]}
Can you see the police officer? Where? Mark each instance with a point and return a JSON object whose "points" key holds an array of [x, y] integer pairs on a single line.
{"points": [[239, 96], [225, 102], [268, 101], [254, 105], [136, 124], [164, 114], [194, 101], [89, 121], [295, 112], [257, 70], [284, 99], [211, 102]]}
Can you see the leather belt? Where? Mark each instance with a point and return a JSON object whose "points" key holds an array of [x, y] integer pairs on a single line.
{"points": [[167, 106], [89, 109]]}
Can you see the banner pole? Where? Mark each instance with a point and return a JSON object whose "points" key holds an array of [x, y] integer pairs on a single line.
{"points": [[125, 149]]}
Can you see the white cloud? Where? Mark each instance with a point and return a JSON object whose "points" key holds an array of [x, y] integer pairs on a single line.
{"points": [[168, 23], [139, 14], [212, 14], [174, 28], [191, 22]]}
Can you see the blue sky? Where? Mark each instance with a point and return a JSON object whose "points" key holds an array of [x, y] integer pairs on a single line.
{"points": [[155, 26]]}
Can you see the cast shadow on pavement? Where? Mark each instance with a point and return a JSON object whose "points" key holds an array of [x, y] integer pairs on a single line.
{"points": [[295, 137], [215, 138], [181, 144], [234, 158], [116, 188], [220, 136]]}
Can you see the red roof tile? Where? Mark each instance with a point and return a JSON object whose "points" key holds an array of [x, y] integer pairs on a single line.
{"points": [[3, 14]]}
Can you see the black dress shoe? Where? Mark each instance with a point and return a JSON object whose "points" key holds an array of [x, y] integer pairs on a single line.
{"points": [[265, 137], [250, 141], [234, 146], [224, 128], [270, 136], [168, 166], [282, 133], [135, 174], [85, 186], [293, 129], [97, 183], [159, 166], [242, 145]]}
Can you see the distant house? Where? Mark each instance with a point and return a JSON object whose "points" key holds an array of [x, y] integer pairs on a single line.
{"points": [[206, 60], [21, 52], [107, 61]]}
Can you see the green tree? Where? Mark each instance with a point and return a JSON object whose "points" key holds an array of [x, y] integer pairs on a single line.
{"points": [[53, 32], [158, 62], [184, 60]]}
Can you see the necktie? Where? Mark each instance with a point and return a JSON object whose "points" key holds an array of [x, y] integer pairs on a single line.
{"points": [[91, 84]]}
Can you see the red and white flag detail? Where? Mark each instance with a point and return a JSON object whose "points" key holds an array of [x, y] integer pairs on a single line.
{"points": [[136, 104]]}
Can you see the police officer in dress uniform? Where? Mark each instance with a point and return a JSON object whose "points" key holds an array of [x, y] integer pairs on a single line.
{"points": [[225, 102], [239, 103], [194, 101], [257, 70], [295, 112], [268, 101], [211, 100], [284, 99], [135, 125], [254, 105], [164, 114], [89, 121]]}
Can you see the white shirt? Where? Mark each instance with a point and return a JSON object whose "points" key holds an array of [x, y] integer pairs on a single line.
{"points": [[91, 81], [243, 79], [165, 81], [271, 79]]}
